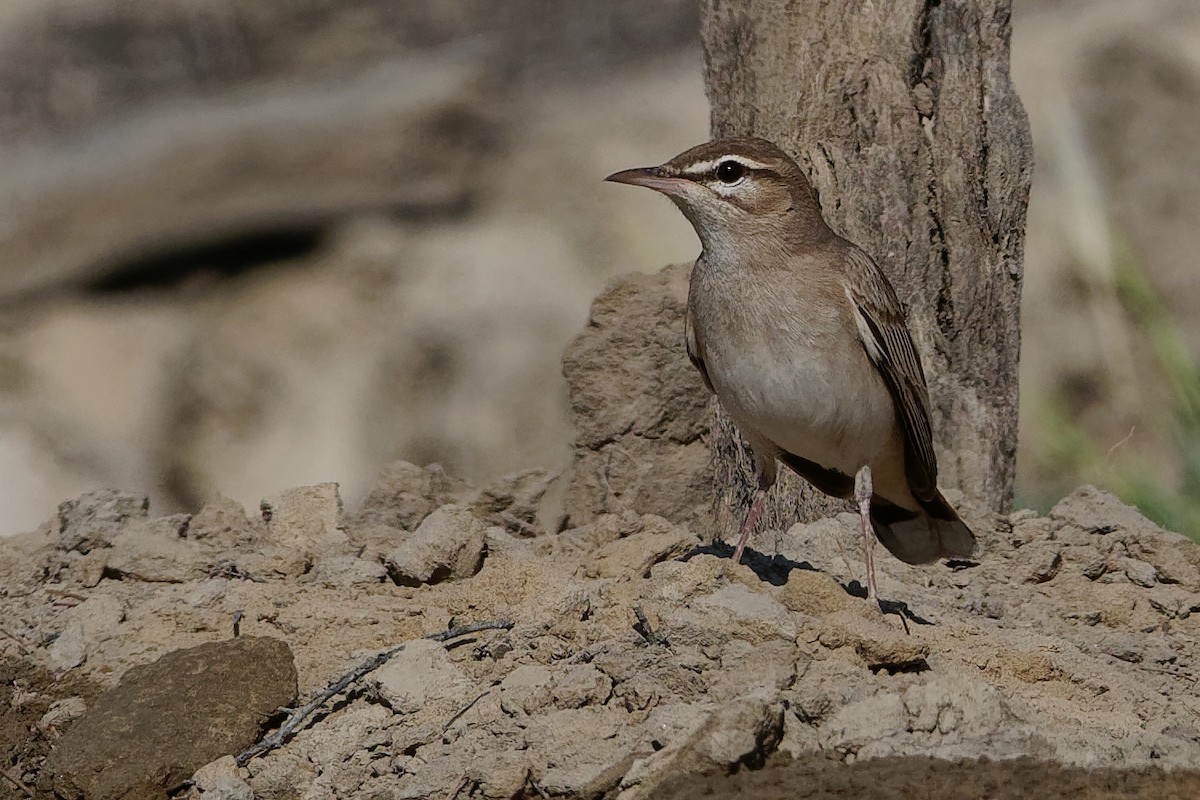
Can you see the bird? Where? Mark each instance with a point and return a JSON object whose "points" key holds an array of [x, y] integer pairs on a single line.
{"points": [[803, 340]]}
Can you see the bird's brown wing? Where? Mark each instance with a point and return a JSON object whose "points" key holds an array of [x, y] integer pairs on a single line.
{"points": [[693, 348], [885, 337]]}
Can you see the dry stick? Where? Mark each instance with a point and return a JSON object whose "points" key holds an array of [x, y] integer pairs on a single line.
{"points": [[644, 630], [518, 523], [373, 663], [537, 787], [462, 784], [20, 784]]}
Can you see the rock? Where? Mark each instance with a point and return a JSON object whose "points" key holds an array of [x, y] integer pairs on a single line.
{"points": [[303, 524], [207, 776], [422, 676], [205, 593], [581, 685], [513, 502], [1039, 561], [63, 712], [527, 689], [654, 540], [165, 720], [748, 614], [825, 686], [880, 646], [500, 776], [307, 518], [224, 523], [1139, 572], [447, 545], [229, 787], [950, 717], [284, 775], [344, 571], [858, 724], [585, 750], [744, 731], [815, 594], [95, 519], [639, 407], [1100, 513], [158, 551], [87, 625], [405, 494]]}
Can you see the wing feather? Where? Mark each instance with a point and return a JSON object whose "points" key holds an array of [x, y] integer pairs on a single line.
{"points": [[693, 348], [885, 337]]}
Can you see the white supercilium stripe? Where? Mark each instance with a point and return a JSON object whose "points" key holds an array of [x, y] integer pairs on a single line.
{"points": [[703, 168]]}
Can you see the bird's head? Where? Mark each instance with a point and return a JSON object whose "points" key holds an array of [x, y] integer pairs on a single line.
{"points": [[735, 189]]}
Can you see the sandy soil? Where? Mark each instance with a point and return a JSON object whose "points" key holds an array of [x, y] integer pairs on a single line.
{"points": [[1071, 643]]}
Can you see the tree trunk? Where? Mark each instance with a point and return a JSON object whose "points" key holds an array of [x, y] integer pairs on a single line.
{"points": [[903, 115]]}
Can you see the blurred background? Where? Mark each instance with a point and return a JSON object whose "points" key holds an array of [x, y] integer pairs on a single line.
{"points": [[253, 246]]}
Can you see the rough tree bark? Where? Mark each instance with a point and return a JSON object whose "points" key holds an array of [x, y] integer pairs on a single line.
{"points": [[904, 117]]}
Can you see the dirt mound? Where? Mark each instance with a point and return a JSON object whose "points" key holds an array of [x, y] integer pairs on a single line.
{"points": [[638, 656]]}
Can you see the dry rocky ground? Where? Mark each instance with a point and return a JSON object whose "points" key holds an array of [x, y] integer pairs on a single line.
{"points": [[1066, 656]]}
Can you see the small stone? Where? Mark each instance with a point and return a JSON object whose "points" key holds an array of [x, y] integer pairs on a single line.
{"points": [[500, 775], [61, 712], [1096, 569], [229, 787], [224, 523], [1022, 514], [1139, 572], [1100, 513], [95, 518], [1121, 646], [344, 571], [207, 776], [861, 722], [405, 494], [815, 594], [157, 552], [421, 675], [206, 593], [738, 729], [307, 518], [581, 685], [657, 540], [448, 545], [526, 688], [1039, 562], [87, 624], [513, 502]]}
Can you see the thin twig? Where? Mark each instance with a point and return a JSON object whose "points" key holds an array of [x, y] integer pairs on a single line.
{"points": [[645, 630], [61, 593], [462, 784], [23, 647], [537, 787], [518, 523], [20, 784], [296, 717], [463, 630], [458, 714]]}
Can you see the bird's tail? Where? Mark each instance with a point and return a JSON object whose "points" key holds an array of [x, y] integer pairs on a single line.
{"points": [[919, 537]]}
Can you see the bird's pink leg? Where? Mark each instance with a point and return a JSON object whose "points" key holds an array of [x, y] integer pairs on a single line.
{"points": [[862, 498], [748, 524]]}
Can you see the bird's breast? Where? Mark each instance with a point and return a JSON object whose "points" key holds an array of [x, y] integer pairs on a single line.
{"points": [[795, 374]]}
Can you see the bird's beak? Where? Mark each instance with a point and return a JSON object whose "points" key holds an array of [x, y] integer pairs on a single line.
{"points": [[652, 178]]}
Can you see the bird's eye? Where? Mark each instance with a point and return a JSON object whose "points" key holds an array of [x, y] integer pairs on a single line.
{"points": [[730, 171]]}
